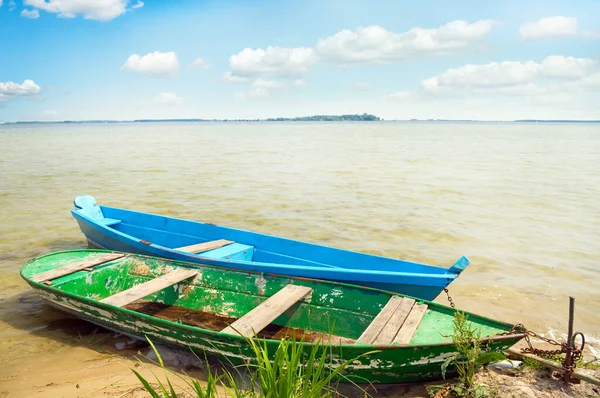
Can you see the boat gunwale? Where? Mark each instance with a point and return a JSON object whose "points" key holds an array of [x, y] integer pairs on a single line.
{"points": [[436, 280], [190, 328]]}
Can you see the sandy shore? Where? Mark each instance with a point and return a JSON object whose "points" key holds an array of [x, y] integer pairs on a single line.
{"points": [[85, 371]]}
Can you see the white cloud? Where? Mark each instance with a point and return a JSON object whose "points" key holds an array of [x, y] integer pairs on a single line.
{"points": [[492, 74], [299, 82], [553, 82], [374, 44], [32, 14], [103, 10], [566, 67], [549, 27], [12, 5], [153, 64], [509, 73], [555, 27], [10, 90], [166, 99], [274, 61], [200, 64], [139, 4], [231, 78]]}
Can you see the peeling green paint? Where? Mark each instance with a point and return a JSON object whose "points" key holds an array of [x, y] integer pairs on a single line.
{"points": [[344, 310]]}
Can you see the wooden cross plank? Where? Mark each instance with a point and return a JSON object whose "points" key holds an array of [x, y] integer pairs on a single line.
{"points": [[411, 324], [259, 317], [147, 288], [373, 330], [206, 246], [390, 330], [78, 266]]}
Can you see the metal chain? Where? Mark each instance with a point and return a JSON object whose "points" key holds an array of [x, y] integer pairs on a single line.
{"points": [[568, 365], [449, 298]]}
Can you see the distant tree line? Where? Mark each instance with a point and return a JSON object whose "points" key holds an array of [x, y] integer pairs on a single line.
{"points": [[365, 117]]}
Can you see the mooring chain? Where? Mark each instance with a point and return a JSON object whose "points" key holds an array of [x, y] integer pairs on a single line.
{"points": [[575, 353], [449, 298], [568, 364]]}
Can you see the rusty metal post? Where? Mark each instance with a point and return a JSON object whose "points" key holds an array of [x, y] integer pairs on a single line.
{"points": [[568, 359]]}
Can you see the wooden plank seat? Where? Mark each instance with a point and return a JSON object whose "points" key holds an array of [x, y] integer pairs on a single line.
{"points": [[86, 265], [147, 288], [205, 246], [259, 317], [411, 324], [396, 322]]}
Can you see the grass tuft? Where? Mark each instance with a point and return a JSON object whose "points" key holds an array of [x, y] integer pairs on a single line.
{"points": [[470, 358], [292, 373]]}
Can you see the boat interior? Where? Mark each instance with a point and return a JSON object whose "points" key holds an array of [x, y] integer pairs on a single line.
{"points": [[195, 237], [247, 303]]}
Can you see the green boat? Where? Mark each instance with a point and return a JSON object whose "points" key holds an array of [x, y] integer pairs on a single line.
{"points": [[215, 310]]}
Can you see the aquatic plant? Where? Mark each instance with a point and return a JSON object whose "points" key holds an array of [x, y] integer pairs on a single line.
{"points": [[467, 361], [293, 373]]}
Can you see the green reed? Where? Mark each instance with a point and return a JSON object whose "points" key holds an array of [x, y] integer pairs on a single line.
{"points": [[293, 373]]}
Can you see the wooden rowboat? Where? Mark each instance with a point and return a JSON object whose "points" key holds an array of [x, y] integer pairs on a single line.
{"points": [[135, 232], [213, 310]]}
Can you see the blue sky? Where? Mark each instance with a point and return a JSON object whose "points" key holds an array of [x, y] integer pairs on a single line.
{"points": [[85, 59]]}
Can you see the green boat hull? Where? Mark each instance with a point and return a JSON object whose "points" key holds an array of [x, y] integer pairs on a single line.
{"points": [[223, 295]]}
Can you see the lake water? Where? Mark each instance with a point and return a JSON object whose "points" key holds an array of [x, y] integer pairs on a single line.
{"points": [[522, 201]]}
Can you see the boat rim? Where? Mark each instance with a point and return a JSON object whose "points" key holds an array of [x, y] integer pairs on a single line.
{"points": [[442, 279], [241, 338]]}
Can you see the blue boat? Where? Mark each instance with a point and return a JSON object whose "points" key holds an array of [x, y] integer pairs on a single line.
{"points": [[155, 235]]}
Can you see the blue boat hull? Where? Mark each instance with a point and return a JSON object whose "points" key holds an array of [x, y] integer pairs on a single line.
{"points": [[155, 235]]}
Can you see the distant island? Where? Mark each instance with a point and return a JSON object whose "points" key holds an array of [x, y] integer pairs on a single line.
{"points": [[365, 117]]}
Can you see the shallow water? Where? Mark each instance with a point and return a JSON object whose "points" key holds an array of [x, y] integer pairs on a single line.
{"points": [[522, 201]]}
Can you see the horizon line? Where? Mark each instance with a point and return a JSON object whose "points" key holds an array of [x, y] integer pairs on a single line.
{"points": [[291, 119]]}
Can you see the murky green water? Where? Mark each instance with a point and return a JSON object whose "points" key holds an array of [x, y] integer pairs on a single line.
{"points": [[522, 201]]}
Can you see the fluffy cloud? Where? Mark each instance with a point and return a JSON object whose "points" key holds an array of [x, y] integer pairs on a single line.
{"points": [[139, 4], [274, 61], [153, 64], [200, 64], [509, 73], [374, 44], [166, 99], [103, 10], [10, 90], [549, 27], [566, 67], [32, 14]]}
